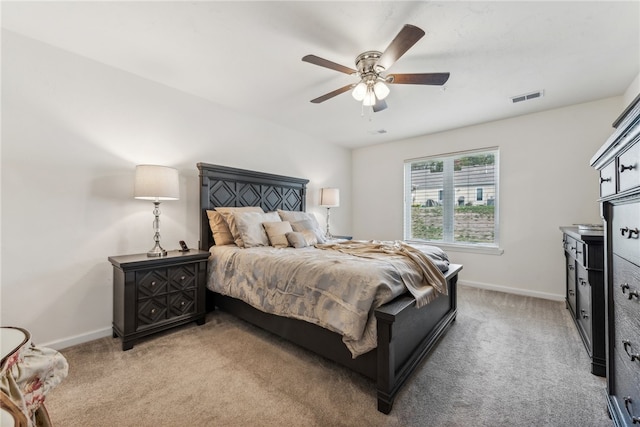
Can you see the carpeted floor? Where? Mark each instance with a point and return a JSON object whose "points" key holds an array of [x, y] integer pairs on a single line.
{"points": [[506, 361]]}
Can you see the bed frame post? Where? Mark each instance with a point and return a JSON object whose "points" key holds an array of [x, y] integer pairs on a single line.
{"points": [[386, 375]]}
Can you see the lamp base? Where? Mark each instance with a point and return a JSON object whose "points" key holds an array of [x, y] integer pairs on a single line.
{"points": [[157, 251]]}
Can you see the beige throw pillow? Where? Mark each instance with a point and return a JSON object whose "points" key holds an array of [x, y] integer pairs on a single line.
{"points": [[227, 214], [302, 239], [277, 233], [219, 229]]}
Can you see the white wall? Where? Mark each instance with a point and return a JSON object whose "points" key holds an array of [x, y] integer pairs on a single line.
{"points": [[73, 131], [545, 155]]}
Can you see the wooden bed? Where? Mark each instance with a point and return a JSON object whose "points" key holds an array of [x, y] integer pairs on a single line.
{"points": [[405, 334]]}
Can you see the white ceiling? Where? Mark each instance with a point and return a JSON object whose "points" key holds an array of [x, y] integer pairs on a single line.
{"points": [[247, 55]]}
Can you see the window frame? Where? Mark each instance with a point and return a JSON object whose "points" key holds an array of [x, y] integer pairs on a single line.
{"points": [[489, 248]]}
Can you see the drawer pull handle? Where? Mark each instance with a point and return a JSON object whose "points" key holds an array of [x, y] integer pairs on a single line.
{"points": [[626, 168], [182, 304], [584, 314], [631, 232], [627, 346], [625, 287], [571, 292], [571, 267], [153, 311], [182, 278], [627, 402], [153, 283], [605, 180], [582, 281]]}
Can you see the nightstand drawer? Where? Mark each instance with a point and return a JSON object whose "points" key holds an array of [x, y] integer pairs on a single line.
{"points": [[182, 277]]}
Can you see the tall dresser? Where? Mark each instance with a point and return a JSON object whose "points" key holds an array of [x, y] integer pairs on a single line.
{"points": [[618, 161]]}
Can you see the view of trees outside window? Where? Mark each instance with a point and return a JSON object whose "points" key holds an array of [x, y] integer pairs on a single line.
{"points": [[453, 198]]}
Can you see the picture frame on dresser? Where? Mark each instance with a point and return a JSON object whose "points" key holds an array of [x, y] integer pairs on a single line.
{"points": [[618, 162]]}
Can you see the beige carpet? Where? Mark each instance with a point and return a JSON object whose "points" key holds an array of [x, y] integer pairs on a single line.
{"points": [[507, 360]]}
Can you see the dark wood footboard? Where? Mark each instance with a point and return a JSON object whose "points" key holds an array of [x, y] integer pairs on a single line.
{"points": [[405, 336]]}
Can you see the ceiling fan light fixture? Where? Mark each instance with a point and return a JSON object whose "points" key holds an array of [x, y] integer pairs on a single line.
{"points": [[369, 99], [381, 90], [359, 91]]}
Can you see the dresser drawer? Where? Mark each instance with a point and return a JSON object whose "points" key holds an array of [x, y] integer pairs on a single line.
{"points": [[625, 227], [626, 294], [608, 180], [571, 284], [584, 312], [627, 385], [629, 168]]}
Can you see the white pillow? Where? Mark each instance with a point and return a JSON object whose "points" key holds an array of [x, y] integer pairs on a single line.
{"points": [[296, 216], [227, 214], [250, 227]]}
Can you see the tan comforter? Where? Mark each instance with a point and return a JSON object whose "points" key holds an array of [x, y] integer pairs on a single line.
{"points": [[336, 286]]}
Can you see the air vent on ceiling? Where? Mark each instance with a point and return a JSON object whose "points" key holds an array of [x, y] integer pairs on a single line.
{"points": [[376, 132], [527, 96]]}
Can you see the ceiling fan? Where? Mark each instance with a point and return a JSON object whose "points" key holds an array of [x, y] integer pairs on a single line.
{"points": [[371, 65]]}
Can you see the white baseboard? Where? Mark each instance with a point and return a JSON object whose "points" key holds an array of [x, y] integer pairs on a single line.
{"points": [[77, 339], [516, 291]]}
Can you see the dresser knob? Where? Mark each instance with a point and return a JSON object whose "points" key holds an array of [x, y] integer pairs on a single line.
{"points": [[153, 283], [571, 292], [182, 304], [182, 278], [153, 311], [584, 314], [605, 180]]}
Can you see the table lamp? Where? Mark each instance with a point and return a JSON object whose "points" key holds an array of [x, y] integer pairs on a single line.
{"points": [[329, 198]]}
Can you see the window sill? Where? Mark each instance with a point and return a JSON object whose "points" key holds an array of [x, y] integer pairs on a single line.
{"points": [[452, 247]]}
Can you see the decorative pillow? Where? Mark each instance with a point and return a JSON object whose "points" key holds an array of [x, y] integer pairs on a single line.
{"points": [[295, 216], [219, 228], [250, 227], [276, 232], [227, 214], [297, 238], [306, 225]]}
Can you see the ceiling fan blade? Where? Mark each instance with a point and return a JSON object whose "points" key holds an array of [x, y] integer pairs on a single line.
{"points": [[316, 60], [437, 79], [380, 105], [407, 37], [330, 95]]}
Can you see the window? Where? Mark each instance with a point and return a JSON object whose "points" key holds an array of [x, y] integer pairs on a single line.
{"points": [[453, 199]]}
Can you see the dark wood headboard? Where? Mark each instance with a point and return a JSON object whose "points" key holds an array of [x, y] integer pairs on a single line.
{"points": [[225, 186]]}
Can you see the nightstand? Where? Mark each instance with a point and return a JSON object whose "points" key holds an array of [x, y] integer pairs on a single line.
{"points": [[155, 294]]}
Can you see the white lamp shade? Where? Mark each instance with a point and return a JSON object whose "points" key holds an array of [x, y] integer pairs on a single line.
{"points": [[359, 91], [381, 90], [330, 197], [156, 183]]}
